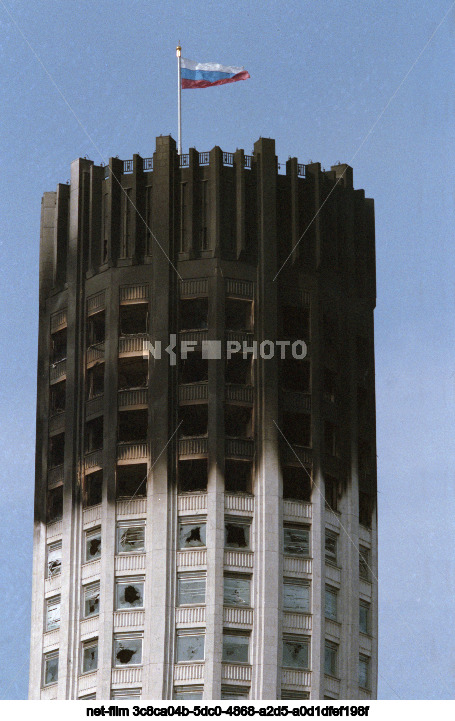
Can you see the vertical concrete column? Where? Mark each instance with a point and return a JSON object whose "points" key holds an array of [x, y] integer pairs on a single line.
{"points": [[96, 198], [61, 234], [291, 172], [240, 202], [137, 210], [215, 170], [313, 171], [114, 206], [193, 195]]}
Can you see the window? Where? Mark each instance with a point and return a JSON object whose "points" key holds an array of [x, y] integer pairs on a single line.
{"points": [[132, 426], [88, 697], [54, 559], [296, 652], [194, 314], [330, 658], [89, 656], [235, 647], [95, 381], [126, 693], [132, 373], [233, 693], [54, 510], [237, 476], [191, 534], [296, 541], [331, 547], [330, 438], [191, 588], [94, 434], [364, 671], [297, 428], [364, 617], [329, 385], [237, 590], [91, 605], [192, 475], [133, 319], [58, 346], [296, 483], [128, 649], [288, 694], [53, 613], [331, 603], [296, 596], [56, 450], [364, 563], [193, 420], [96, 328], [93, 488], [57, 397], [187, 693], [239, 314], [295, 374], [238, 421], [331, 493], [50, 668], [92, 544], [295, 322], [131, 537], [190, 645], [132, 480], [129, 593], [194, 368], [365, 509], [237, 534], [239, 369]]}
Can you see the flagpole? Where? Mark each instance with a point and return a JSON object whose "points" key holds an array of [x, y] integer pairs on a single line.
{"points": [[179, 100]]}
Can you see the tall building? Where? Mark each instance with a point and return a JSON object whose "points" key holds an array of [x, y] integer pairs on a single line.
{"points": [[205, 528]]}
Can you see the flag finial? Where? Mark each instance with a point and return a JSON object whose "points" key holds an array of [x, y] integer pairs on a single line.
{"points": [[178, 50]]}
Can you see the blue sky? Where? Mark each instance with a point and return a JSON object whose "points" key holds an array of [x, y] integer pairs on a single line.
{"points": [[321, 75]]}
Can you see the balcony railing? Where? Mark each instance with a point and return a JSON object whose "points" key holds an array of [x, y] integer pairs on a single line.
{"points": [[133, 343], [239, 448], [204, 159], [95, 352], [193, 392], [132, 398], [193, 447], [194, 336], [132, 451], [57, 370], [239, 393]]}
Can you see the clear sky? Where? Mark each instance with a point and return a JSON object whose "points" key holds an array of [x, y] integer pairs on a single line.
{"points": [[322, 72]]}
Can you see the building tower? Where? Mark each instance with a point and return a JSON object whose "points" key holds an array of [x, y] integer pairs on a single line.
{"points": [[205, 529]]}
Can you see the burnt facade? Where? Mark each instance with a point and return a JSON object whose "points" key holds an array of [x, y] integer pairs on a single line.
{"points": [[205, 528]]}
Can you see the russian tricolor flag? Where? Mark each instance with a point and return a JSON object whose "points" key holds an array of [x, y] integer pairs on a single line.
{"points": [[205, 75]]}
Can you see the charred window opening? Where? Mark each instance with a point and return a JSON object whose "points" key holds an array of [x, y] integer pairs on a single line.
{"points": [[52, 613], [89, 656], [132, 426], [92, 544], [54, 504], [238, 421], [128, 650], [56, 450], [239, 369], [58, 345], [365, 461], [91, 605], [296, 652], [192, 475], [133, 319], [239, 314], [330, 383], [297, 428], [331, 548], [95, 381], [295, 322], [294, 374], [193, 314], [296, 541], [236, 647], [330, 438], [131, 537], [193, 369], [365, 509], [296, 484], [237, 534], [331, 486], [94, 434], [129, 593], [190, 645], [237, 590], [132, 373], [96, 328], [93, 489], [58, 397], [193, 421], [132, 481], [364, 563], [54, 559], [192, 534], [238, 476]]}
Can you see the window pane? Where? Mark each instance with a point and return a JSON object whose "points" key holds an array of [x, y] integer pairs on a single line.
{"points": [[296, 597], [364, 562], [330, 604], [187, 694], [330, 548], [51, 669], [127, 651], [130, 538], [90, 658], [233, 693], [92, 545], [54, 559], [236, 591], [237, 535], [91, 600], [191, 535], [363, 618], [297, 541], [53, 614], [363, 672], [295, 654], [235, 648], [190, 647], [191, 590], [330, 660], [130, 594]]}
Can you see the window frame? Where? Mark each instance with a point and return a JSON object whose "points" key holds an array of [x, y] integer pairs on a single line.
{"points": [[120, 581], [331, 558], [118, 532], [52, 602], [296, 527], [237, 577], [85, 646], [56, 545], [49, 656], [300, 583], [88, 534], [364, 563], [90, 588], [131, 636], [192, 521], [333, 592], [183, 633], [363, 659], [332, 648], [367, 606], [179, 693], [242, 522], [191, 576], [305, 641], [234, 633]]}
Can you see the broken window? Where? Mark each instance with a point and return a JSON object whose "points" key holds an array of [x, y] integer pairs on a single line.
{"points": [[364, 671], [96, 328], [331, 547], [191, 588], [330, 438], [128, 649], [132, 426], [238, 421], [331, 493], [132, 373], [54, 559], [294, 374], [190, 645], [129, 593], [134, 319], [236, 647], [296, 483], [187, 693], [50, 668], [58, 346], [92, 544], [93, 488], [192, 475], [296, 595], [364, 617], [89, 656], [295, 322], [52, 613], [56, 450], [131, 537], [238, 476], [193, 421], [193, 314], [132, 480], [330, 658], [296, 541], [234, 692], [239, 369], [94, 434], [331, 603], [54, 508], [365, 509], [91, 602], [364, 563], [296, 428], [296, 652], [192, 535], [95, 381], [194, 368], [58, 397], [237, 534], [329, 387], [239, 314], [237, 590]]}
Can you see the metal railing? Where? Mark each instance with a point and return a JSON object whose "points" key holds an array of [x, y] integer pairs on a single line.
{"points": [[127, 166], [204, 159]]}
